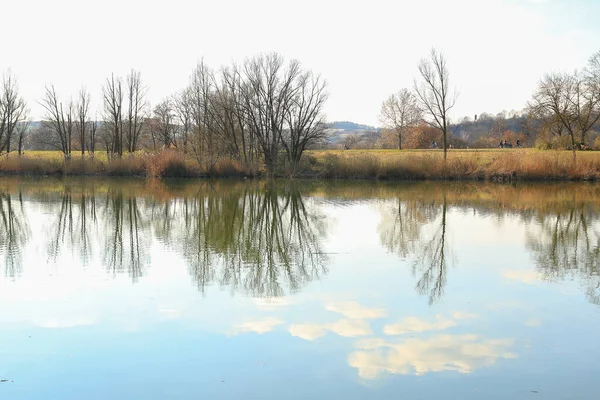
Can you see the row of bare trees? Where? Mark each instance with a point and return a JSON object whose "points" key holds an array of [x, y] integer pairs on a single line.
{"points": [[563, 106], [567, 105], [69, 123], [13, 115], [255, 111], [263, 110], [430, 101], [125, 113]]}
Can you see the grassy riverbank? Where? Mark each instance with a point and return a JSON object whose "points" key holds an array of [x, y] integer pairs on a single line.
{"points": [[493, 164], [166, 164]]}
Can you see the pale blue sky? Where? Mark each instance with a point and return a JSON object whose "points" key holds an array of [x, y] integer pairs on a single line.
{"points": [[496, 49]]}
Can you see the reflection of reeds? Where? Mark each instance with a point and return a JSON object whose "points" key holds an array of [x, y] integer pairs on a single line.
{"points": [[541, 197]]}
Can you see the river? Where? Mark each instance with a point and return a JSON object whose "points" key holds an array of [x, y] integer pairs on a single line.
{"points": [[123, 289]]}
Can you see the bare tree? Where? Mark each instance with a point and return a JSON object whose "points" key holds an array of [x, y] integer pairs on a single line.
{"points": [[105, 136], [565, 104], [434, 94], [351, 141], [93, 136], [200, 92], [21, 132], [232, 79], [13, 111], [112, 94], [164, 122], [182, 105], [498, 126], [83, 105], [60, 120], [136, 98], [400, 112], [268, 93], [224, 127], [304, 118], [592, 74]]}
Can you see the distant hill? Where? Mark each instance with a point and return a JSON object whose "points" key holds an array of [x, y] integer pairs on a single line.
{"points": [[340, 130], [351, 126], [487, 125]]}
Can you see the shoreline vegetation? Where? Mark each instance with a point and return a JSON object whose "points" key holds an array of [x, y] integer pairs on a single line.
{"points": [[265, 117], [501, 165]]}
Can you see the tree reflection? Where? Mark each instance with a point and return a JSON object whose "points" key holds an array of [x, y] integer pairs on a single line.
{"points": [[265, 239], [73, 227], [432, 259], [253, 239], [416, 228], [126, 245], [563, 231], [400, 227], [14, 232], [86, 223], [567, 245]]}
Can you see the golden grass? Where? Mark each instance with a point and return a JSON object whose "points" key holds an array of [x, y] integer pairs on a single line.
{"points": [[164, 164], [475, 164], [488, 164]]}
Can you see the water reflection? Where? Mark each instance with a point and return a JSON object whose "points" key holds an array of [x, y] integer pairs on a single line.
{"points": [[69, 227], [14, 232], [563, 224], [257, 239], [461, 353], [126, 235], [424, 280], [251, 239], [566, 244], [263, 239]]}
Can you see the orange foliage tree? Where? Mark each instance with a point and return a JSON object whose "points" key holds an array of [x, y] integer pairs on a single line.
{"points": [[423, 136]]}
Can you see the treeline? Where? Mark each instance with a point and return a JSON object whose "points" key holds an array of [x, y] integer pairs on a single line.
{"points": [[482, 131], [565, 107], [564, 112], [264, 110]]}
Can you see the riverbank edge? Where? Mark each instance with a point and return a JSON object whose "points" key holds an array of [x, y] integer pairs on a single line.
{"points": [[499, 167]]}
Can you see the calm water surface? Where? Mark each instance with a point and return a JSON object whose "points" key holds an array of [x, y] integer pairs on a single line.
{"points": [[127, 290]]}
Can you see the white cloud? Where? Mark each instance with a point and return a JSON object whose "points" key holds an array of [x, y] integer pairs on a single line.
{"points": [[352, 309], [461, 353], [350, 328], [344, 327], [463, 315], [533, 322], [69, 322], [307, 331], [414, 324], [273, 303], [261, 326], [528, 277]]}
